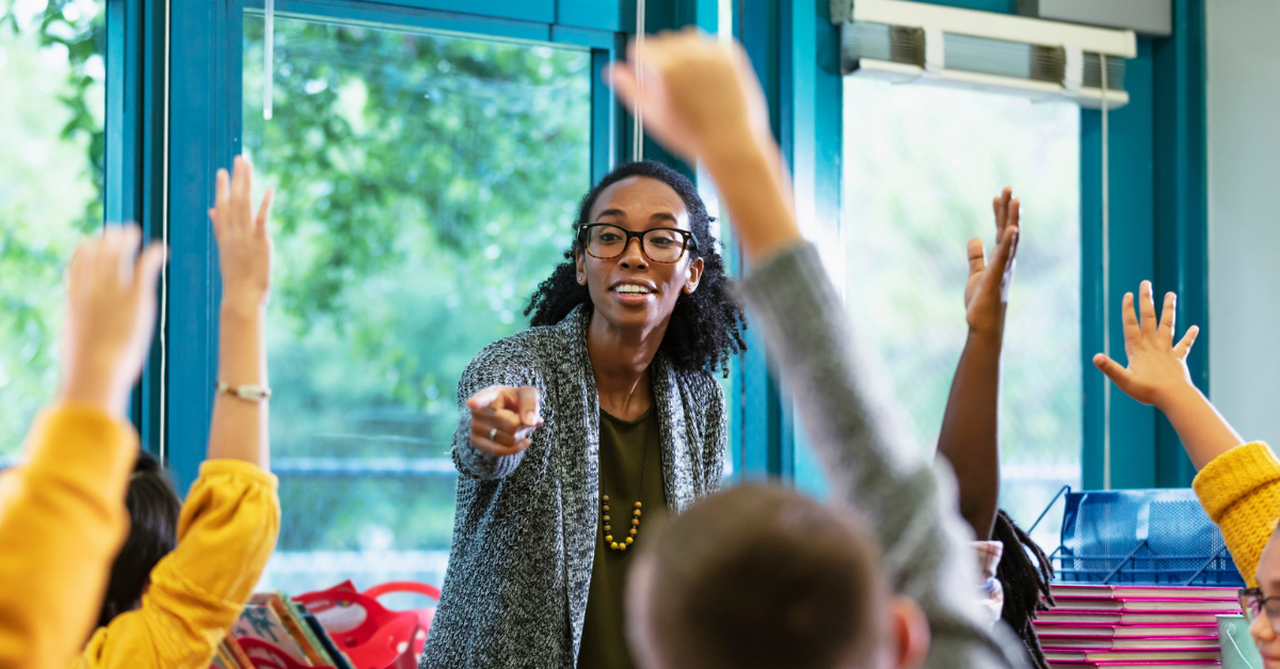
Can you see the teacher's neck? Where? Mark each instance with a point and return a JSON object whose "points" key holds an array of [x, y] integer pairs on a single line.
{"points": [[620, 360]]}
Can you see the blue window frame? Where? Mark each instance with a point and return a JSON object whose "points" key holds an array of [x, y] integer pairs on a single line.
{"points": [[174, 99], [204, 113]]}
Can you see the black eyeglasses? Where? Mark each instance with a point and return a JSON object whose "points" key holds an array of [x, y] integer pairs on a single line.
{"points": [[607, 241], [1254, 603]]}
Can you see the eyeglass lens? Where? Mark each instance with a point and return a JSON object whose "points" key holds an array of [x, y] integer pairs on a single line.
{"points": [[610, 241]]}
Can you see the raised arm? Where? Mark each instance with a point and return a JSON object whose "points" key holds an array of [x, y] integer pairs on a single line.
{"points": [[970, 436], [62, 513], [1238, 484], [1157, 375], [238, 430], [702, 101]]}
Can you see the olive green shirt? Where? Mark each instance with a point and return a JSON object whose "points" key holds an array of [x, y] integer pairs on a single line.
{"points": [[630, 471]]}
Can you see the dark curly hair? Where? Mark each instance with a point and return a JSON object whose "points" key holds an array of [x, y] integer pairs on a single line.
{"points": [[1025, 573], [706, 326]]}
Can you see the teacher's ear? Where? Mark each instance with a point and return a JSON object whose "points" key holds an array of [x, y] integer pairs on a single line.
{"points": [[692, 276], [580, 265]]}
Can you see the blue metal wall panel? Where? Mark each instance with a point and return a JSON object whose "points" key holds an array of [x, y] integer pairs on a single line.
{"points": [[542, 11], [1132, 229], [1181, 207], [204, 120], [419, 17], [819, 124], [134, 145], [583, 37], [595, 14]]}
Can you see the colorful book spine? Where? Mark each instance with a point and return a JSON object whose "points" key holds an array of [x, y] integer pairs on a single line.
{"points": [[237, 653]]}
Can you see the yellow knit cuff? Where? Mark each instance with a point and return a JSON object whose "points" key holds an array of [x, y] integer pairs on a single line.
{"points": [[1232, 476], [212, 469]]}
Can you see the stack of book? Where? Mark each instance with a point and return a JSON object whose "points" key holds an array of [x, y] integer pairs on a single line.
{"points": [[275, 631], [1143, 627]]}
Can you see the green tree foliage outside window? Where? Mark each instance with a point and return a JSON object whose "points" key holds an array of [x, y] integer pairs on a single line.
{"points": [[51, 176], [427, 184]]}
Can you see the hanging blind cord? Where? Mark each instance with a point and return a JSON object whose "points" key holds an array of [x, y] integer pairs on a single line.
{"points": [[268, 55], [637, 146], [1106, 279]]}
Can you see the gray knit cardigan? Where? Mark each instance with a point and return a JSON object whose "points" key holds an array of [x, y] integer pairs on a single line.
{"points": [[515, 593]]}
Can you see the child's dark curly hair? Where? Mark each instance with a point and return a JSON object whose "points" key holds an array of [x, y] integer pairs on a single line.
{"points": [[706, 326], [1025, 573]]}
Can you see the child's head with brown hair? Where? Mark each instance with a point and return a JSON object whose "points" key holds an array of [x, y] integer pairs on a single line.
{"points": [[153, 533], [760, 576]]}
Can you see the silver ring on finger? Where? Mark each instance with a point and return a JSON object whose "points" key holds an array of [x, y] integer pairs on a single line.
{"points": [[493, 433]]}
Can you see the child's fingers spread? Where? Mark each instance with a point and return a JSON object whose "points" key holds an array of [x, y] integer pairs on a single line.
{"points": [[1114, 370], [1130, 319], [977, 256], [1148, 309], [264, 211], [222, 198], [1188, 340], [148, 267], [80, 269], [130, 238], [1168, 316], [625, 86], [1004, 251], [107, 259]]}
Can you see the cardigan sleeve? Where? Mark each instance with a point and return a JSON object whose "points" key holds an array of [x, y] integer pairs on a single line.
{"points": [[909, 505], [503, 363], [226, 533], [62, 520], [1240, 490], [717, 437]]}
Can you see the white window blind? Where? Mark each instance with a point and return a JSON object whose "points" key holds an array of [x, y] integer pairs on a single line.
{"points": [[914, 41]]}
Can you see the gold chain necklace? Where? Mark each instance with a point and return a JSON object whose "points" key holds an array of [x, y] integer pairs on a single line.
{"points": [[635, 512]]}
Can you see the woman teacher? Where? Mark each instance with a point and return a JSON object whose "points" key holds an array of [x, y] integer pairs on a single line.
{"points": [[579, 433]]}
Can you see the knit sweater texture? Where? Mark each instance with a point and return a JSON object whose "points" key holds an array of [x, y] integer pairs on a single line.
{"points": [[1240, 490], [515, 592], [908, 501]]}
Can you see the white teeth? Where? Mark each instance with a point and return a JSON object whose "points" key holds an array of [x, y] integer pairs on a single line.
{"points": [[632, 290]]}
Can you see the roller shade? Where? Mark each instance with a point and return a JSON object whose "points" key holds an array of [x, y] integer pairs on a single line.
{"points": [[913, 41]]}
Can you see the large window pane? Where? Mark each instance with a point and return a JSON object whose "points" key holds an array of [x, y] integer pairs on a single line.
{"points": [[427, 184], [51, 82], [921, 164]]}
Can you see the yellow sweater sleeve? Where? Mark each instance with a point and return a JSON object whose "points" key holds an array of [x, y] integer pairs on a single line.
{"points": [[62, 519], [226, 533], [1240, 490]]}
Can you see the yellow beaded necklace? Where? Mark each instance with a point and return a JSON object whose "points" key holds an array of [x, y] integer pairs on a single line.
{"points": [[635, 512]]}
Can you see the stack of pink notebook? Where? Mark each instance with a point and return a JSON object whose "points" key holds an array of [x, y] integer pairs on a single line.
{"points": [[1142, 627]]}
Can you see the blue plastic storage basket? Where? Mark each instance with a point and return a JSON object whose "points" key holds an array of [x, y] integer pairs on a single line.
{"points": [[1145, 537]]}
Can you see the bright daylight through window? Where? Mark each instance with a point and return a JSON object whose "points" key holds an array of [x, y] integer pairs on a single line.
{"points": [[921, 166], [427, 184], [52, 84]]}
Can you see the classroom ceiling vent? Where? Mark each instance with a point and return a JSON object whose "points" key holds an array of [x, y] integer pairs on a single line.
{"points": [[918, 42]]}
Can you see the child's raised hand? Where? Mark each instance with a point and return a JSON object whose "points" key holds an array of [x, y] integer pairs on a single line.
{"points": [[986, 295], [1157, 368], [111, 313], [244, 242], [699, 97]]}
